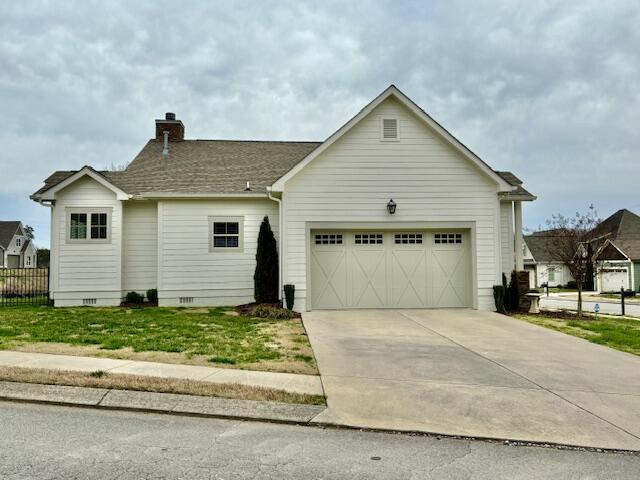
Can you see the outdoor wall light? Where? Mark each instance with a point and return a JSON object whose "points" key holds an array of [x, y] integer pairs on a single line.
{"points": [[391, 206]]}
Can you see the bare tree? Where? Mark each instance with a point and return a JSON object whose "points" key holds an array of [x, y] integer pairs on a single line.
{"points": [[568, 240]]}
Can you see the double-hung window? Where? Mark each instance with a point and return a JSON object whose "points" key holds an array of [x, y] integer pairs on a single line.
{"points": [[89, 225], [225, 233]]}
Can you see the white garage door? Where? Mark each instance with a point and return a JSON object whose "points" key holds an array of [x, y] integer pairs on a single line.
{"points": [[613, 279], [417, 269]]}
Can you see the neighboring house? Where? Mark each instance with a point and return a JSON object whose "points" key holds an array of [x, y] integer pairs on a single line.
{"points": [[16, 249], [390, 211], [543, 264], [616, 242]]}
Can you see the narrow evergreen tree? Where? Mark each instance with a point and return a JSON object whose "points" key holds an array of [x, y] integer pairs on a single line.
{"points": [[265, 278]]}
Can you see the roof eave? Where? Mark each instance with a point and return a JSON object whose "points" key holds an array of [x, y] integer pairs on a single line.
{"points": [[191, 195]]}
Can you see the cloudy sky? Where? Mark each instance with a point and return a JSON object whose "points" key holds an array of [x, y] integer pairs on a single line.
{"points": [[548, 90]]}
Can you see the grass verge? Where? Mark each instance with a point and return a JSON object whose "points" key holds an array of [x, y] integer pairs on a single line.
{"points": [[619, 333], [196, 336], [117, 381]]}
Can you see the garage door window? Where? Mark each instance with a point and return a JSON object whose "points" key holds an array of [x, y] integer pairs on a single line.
{"points": [[408, 238], [368, 239], [328, 239], [447, 238]]}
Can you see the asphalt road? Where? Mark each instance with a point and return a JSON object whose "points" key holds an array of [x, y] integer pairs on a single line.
{"points": [[605, 307], [49, 442]]}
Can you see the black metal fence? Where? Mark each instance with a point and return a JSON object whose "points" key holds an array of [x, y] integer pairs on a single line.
{"points": [[24, 286]]}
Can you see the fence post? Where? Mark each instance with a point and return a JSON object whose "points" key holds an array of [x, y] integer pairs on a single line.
{"points": [[622, 299]]}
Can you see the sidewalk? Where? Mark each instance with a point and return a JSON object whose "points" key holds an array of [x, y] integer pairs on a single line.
{"points": [[307, 384]]}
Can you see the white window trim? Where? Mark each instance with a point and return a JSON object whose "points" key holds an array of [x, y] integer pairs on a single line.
{"points": [[18, 242], [240, 247], [382, 137], [88, 211]]}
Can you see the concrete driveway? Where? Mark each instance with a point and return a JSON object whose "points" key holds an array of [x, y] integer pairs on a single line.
{"points": [[471, 373]]}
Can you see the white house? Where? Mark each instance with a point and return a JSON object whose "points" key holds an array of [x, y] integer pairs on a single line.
{"points": [[16, 249], [391, 211], [544, 265]]}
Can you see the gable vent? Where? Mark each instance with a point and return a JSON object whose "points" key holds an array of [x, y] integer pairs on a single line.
{"points": [[389, 128]]}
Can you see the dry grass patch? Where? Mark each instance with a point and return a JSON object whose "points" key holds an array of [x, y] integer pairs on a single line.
{"points": [[195, 336], [118, 381]]}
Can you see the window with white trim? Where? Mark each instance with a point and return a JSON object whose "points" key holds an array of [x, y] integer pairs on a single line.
{"points": [[408, 238], [368, 239], [18, 242], [328, 239], [89, 225], [225, 233], [447, 238], [28, 259]]}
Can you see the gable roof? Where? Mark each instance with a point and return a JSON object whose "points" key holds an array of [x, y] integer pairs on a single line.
{"points": [[623, 230], [393, 91], [202, 166], [223, 167], [25, 245], [609, 251], [543, 247], [7, 231]]}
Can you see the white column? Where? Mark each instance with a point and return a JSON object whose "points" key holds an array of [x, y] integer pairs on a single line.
{"points": [[518, 236]]}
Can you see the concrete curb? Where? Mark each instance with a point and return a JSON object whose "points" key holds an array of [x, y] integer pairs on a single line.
{"points": [[167, 403], [223, 408]]}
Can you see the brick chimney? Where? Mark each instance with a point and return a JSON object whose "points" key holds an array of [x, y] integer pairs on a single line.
{"points": [[171, 125]]}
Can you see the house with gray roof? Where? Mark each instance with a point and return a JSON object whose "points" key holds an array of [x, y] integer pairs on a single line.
{"points": [[616, 242], [390, 211], [16, 249], [544, 265]]}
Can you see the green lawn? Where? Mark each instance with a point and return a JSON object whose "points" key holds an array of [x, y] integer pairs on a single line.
{"points": [[176, 335], [619, 333]]}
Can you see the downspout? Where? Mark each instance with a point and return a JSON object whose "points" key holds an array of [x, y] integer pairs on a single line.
{"points": [[280, 235]]}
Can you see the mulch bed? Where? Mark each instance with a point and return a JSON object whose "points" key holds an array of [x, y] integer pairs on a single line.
{"points": [[138, 305], [247, 310], [559, 314]]}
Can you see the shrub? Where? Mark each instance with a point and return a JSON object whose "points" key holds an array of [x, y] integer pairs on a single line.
{"points": [[266, 311], [512, 295], [572, 284], [498, 297], [265, 278], [134, 297], [152, 295], [289, 295]]}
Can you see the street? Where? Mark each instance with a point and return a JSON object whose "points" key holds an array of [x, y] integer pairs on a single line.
{"points": [[610, 307], [50, 442]]}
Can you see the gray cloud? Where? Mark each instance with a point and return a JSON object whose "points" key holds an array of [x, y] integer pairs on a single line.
{"points": [[548, 90]]}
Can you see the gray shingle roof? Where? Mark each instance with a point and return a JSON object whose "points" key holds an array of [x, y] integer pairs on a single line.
{"points": [[7, 231], [203, 166], [623, 229], [543, 247], [214, 166]]}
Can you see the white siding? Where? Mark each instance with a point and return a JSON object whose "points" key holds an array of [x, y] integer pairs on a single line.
{"points": [[562, 274], [189, 269], [86, 270], [140, 247], [353, 180], [507, 241]]}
